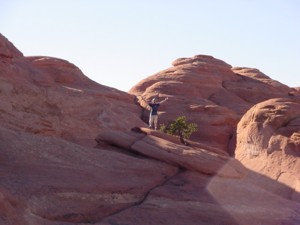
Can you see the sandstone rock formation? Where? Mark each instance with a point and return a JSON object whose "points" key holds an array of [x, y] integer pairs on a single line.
{"points": [[295, 92], [50, 96], [46, 180], [215, 96], [201, 173], [268, 140], [54, 172], [210, 93]]}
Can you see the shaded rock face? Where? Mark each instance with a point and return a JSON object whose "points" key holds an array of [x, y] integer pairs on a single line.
{"points": [[49, 96], [295, 92], [210, 93], [268, 140], [7, 49], [54, 172]]}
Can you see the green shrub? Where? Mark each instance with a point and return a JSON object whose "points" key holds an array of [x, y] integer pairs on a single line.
{"points": [[179, 127]]}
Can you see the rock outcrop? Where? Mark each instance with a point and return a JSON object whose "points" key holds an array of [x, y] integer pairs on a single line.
{"points": [[67, 158], [268, 140], [205, 172], [45, 180], [49, 96], [139, 179], [210, 93]]}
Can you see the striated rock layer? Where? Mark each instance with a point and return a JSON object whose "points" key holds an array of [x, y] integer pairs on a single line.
{"points": [[67, 158]]}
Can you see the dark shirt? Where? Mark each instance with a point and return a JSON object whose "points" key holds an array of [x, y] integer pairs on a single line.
{"points": [[154, 108]]}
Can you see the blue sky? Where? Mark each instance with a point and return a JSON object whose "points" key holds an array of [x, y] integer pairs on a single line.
{"points": [[120, 42]]}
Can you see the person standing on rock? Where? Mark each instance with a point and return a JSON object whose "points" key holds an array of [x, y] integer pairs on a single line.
{"points": [[153, 118]]}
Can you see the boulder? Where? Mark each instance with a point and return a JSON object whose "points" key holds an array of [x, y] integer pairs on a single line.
{"points": [[268, 140]]}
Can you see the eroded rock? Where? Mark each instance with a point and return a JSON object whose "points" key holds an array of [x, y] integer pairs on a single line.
{"points": [[268, 140], [210, 93]]}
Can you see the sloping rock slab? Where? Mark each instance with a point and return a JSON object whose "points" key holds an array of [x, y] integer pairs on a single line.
{"points": [[45, 180]]}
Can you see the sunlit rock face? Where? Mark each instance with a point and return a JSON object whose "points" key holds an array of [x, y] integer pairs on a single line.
{"points": [[50, 96], [210, 93], [268, 140], [76, 152]]}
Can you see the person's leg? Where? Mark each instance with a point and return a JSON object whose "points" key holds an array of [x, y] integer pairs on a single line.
{"points": [[155, 121], [150, 121]]}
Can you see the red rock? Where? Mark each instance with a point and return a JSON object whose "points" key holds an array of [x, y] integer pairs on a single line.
{"points": [[255, 86], [50, 114], [295, 92], [8, 50], [62, 71], [195, 198], [209, 93], [268, 140], [191, 158], [49, 179], [49, 96]]}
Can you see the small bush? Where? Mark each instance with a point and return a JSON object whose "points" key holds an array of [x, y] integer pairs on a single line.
{"points": [[180, 127]]}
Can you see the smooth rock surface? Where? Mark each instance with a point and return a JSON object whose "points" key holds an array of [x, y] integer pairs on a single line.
{"points": [[76, 152], [268, 140], [210, 93]]}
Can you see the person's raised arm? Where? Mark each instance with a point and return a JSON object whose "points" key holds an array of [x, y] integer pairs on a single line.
{"points": [[163, 100]]}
